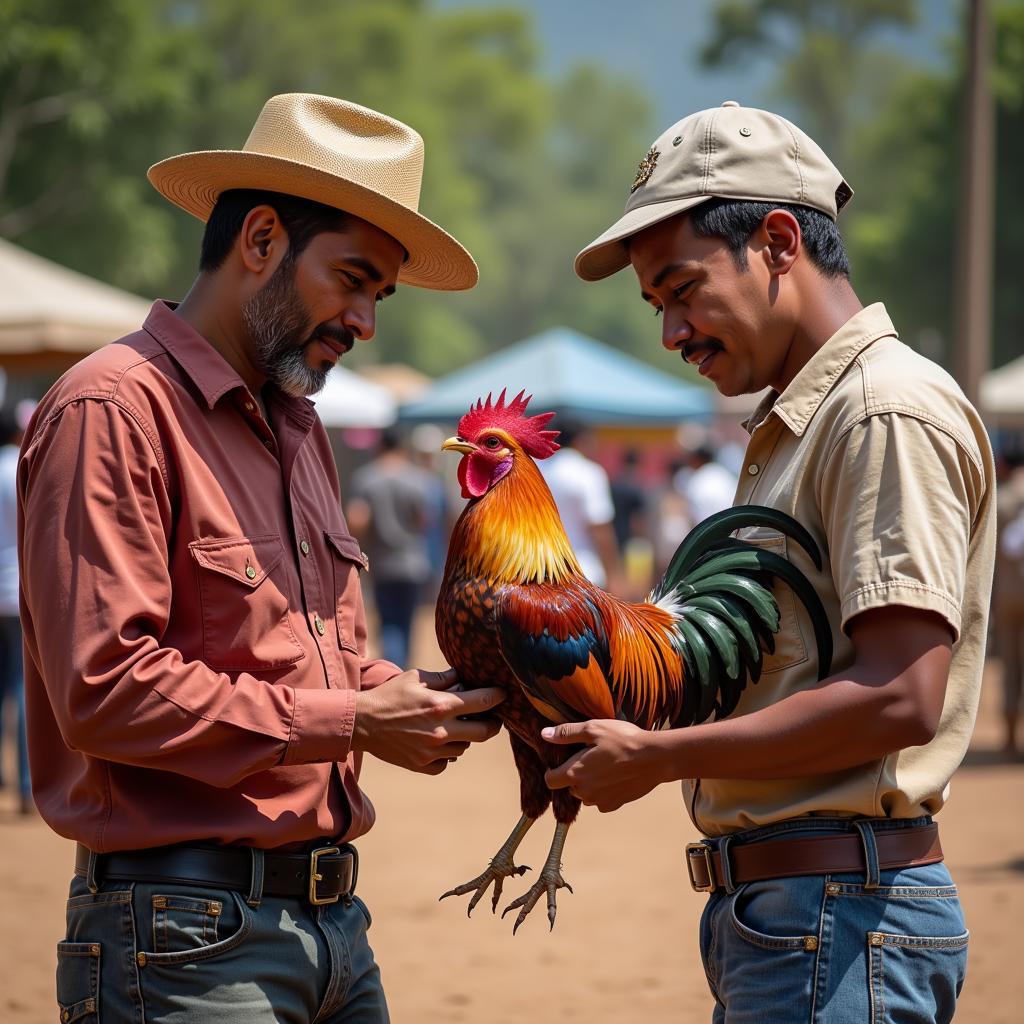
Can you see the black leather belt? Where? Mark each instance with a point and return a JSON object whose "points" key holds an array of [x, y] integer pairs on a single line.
{"points": [[810, 855], [324, 875]]}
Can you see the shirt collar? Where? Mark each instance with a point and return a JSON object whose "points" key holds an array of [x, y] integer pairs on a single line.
{"points": [[211, 373], [797, 405]]}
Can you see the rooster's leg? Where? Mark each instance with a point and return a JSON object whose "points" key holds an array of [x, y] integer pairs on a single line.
{"points": [[502, 866], [550, 881]]}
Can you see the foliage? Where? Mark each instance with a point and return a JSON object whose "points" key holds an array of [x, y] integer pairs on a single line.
{"points": [[894, 127], [518, 167]]}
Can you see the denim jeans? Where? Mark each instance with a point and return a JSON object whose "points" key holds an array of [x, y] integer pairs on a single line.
{"points": [[156, 953], [871, 946], [396, 602]]}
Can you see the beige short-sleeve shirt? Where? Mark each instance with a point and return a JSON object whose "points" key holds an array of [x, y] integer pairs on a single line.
{"points": [[877, 452]]}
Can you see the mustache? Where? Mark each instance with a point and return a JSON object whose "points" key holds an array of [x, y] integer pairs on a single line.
{"points": [[338, 334]]}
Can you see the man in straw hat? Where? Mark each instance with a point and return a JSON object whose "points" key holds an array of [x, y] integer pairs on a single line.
{"points": [[198, 723], [828, 899]]}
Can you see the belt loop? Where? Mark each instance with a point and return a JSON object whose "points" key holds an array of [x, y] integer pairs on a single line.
{"points": [[723, 857], [871, 873], [90, 872], [256, 881]]}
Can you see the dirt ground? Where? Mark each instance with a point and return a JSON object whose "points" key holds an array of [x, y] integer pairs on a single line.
{"points": [[624, 948]]}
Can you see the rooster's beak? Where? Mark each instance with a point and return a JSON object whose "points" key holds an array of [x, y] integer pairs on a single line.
{"points": [[457, 444]]}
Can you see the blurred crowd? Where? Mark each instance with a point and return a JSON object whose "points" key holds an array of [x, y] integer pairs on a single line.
{"points": [[624, 509]]}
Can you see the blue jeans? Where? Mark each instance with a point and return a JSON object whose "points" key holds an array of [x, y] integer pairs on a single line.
{"points": [[12, 687], [156, 953], [827, 949], [396, 602]]}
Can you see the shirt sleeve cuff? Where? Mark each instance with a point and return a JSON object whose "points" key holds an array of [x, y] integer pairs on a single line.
{"points": [[373, 673], [322, 724], [910, 594]]}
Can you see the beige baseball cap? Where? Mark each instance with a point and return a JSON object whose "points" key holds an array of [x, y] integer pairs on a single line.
{"points": [[729, 152]]}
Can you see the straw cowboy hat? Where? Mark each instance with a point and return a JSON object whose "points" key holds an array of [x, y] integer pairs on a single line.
{"points": [[336, 153]]}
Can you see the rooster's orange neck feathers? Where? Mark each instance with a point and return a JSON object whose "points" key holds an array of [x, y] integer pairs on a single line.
{"points": [[513, 533]]}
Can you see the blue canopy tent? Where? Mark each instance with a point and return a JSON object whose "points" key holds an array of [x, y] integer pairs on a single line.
{"points": [[567, 373]]}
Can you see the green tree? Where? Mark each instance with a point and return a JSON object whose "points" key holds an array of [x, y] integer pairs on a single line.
{"points": [[824, 51], [903, 240], [519, 167]]}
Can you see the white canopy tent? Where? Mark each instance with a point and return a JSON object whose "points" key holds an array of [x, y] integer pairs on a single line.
{"points": [[1002, 394], [47, 310], [349, 400]]}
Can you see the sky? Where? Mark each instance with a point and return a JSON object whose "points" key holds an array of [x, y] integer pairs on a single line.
{"points": [[656, 42]]}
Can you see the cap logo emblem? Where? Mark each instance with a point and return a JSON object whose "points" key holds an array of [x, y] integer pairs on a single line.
{"points": [[645, 170]]}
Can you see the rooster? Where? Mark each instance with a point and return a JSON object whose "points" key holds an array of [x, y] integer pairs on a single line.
{"points": [[515, 611]]}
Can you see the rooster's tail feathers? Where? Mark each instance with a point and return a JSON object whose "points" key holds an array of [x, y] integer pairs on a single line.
{"points": [[716, 587]]}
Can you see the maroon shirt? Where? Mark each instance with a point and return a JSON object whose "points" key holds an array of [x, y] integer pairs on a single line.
{"points": [[194, 629]]}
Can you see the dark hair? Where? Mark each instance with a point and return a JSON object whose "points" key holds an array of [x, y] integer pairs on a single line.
{"points": [[302, 220], [735, 220], [569, 428]]}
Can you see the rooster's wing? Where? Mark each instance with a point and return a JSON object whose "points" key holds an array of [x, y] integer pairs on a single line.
{"points": [[579, 653]]}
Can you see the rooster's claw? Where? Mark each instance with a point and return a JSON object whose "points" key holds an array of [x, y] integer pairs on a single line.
{"points": [[549, 882], [497, 871]]}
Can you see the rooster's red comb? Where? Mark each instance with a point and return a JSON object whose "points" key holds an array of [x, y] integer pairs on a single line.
{"points": [[527, 430]]}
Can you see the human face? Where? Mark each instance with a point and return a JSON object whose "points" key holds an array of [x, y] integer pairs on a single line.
{"points": [[314, 307], [723, 319]]}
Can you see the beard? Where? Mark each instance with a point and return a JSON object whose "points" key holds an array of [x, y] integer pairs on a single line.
{"points": [[278, 324]]}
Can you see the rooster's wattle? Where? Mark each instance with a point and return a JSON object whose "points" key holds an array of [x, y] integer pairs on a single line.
{"points": [[515, 611]]}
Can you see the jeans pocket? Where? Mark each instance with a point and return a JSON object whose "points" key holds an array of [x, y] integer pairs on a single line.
{"points": [[78, 981], [184, 922], [758, 918], [186, 927], [914, 973]]}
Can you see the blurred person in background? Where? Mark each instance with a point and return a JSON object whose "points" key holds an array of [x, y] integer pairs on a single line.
{"points": [[631, 524], [705, 484], [426, 440], [583, 495], [1008, 594], [389, 512], [12, 678], [199, 694]]}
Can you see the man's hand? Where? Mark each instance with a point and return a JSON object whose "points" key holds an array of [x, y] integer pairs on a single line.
{"points": [[620, 763], [413, 720]]}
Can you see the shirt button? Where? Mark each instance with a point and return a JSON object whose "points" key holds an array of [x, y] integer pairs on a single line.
{"points": [[319, 624], [304, 547], [753, 469], [250, 572], [249, 406]]}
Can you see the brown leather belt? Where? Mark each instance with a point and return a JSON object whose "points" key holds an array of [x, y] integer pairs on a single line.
{"points": [[324, 875], [810, 855]]}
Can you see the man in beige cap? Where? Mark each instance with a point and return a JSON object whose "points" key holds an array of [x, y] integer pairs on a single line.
{"points": [[198, 723], [828, 899]]}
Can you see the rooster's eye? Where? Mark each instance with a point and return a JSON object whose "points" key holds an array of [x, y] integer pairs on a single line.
{"points": [[492, 442]]}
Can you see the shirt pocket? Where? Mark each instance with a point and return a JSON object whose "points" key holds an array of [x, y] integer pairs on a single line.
{"points": [[348, 560], [789, 641], [243, 595]]}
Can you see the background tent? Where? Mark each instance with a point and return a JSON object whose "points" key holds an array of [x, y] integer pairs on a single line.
{"points": [[350, 400], [1002, 395], [51, 316], [567, 372]]}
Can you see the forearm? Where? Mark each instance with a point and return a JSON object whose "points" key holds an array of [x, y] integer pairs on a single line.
{"points": [[840, 723]]}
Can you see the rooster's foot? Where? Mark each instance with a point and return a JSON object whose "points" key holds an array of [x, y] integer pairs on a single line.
{"points": [[497, 871], [550, 881], [502, 866]]}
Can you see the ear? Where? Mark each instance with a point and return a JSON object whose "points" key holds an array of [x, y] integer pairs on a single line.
{"points": [[780, 241], [262, 241]]}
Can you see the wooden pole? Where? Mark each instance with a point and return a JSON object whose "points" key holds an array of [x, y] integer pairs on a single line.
{"points": [[972, 342]]}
